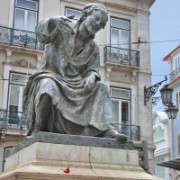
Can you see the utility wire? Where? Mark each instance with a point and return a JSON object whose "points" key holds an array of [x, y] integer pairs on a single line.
{"points": [[145, 42]]}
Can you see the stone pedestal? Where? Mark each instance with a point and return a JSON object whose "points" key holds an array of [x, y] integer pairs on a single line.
{"points": [[45, 157]]}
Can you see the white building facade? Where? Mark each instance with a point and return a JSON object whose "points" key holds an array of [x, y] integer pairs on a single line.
{"points": [[162, 141]]}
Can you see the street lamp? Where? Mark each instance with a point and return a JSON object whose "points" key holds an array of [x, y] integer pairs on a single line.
{"points": [[166, 95], [172, 111]]}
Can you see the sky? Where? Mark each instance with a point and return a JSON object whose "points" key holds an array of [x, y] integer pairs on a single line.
{"points": [[165, 27]]}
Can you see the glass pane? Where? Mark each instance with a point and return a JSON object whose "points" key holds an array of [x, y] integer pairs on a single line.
{"points": [[27, 4], [7, 151], [115, 109], [174, 64], [19, 19], [120, 93], [18, 79], [114, 37], [124, 39], [76, 13], [31, 21], [178, 64], [122, 24], [14, 95], [177, 100], [124, 112], [13, 111]]}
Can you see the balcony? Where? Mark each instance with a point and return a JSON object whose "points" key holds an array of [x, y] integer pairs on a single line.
{"points": [[17, 123], [119, 56], [13, 123], [131, 131], [174, 74], [21, 38]]}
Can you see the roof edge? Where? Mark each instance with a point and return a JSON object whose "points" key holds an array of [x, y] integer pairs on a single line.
{"points": [[168, 55]]}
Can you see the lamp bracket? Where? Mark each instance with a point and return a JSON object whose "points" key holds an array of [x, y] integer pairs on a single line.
{"points": [[150, 91]]}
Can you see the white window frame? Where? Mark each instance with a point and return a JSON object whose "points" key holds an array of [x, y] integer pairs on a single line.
{"points": [[73, 9], [26, 10], [19, 84], [175, 63], [6, 149], [120, 29], [121, 100]]}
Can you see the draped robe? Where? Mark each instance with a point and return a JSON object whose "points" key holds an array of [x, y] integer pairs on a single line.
{"points": [[74, 109]]}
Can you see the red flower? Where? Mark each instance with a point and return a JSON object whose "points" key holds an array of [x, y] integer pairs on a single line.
{"points": [[67, 170]]}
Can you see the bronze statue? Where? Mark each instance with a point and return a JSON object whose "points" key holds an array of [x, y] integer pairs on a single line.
{"points": [[66, 96]]}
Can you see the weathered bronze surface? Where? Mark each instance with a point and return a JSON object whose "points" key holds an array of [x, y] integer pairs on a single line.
{"points": [[66, 96]]}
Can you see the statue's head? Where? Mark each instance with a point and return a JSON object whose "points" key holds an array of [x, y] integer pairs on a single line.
{"points": [[93, 7], [94, 17]]}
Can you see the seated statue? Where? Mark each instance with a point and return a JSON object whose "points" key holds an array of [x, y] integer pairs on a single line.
{"points": [[66, 96]]}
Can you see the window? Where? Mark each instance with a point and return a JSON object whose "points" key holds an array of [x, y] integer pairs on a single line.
{"points": [[16, 88], [70, 12], [120, 41], [25, 17], [178, 100], [120, 105], [176, 64], [159, 171], [158, 134], [178, 145], [120, 33], [7, 152]]}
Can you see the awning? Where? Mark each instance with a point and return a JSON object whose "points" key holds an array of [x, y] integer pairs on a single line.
{"points": [[175, 164]]}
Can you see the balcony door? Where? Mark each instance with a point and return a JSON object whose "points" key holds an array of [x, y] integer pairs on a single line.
{"points": [[15, 103], [120, 39], [121, 106], [25, 20]]}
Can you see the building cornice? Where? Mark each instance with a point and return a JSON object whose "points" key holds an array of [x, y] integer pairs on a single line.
{"points": [[162, 151], [125, 4]]}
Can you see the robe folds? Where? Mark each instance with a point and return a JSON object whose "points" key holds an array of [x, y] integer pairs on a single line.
{"points": [[73, 108]]}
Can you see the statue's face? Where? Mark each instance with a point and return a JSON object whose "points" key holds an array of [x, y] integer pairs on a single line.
{"points": [[94, 22]]}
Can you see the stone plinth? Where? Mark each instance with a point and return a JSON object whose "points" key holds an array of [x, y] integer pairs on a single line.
{"points": [[37, 159]]}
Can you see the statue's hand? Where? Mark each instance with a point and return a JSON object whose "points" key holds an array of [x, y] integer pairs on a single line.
{"points": [[89, 82], [61, 22]]}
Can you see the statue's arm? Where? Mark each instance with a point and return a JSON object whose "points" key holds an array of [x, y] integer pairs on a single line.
{"points": [[92, 72], [47, 30]]}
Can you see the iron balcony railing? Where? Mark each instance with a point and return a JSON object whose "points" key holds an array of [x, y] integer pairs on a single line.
{"points": [[17, 120], [16, 37], [121, 56], [174, 74], [12, 120], [133, 132]]}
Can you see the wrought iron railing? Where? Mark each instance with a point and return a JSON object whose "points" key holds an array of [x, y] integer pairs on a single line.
{"points": [[12, 120], [16, 37], [121, 56], [18, 121], [174, 74], [133, 132]]}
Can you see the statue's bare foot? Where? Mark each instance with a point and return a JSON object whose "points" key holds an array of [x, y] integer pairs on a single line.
{"points": [[112, 133], [32, 135]]}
